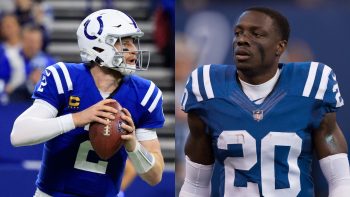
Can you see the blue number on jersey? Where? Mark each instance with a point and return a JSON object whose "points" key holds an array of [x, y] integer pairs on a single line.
{"points": [[70, 166], [265, 149]]}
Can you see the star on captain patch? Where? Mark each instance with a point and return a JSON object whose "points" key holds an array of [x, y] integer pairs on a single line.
{"points": [[258, 115]]}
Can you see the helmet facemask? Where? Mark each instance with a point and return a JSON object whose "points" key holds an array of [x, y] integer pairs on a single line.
{"points": [[119, 62]]}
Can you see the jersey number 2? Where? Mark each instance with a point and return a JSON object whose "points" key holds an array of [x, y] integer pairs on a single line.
{"points": [[81, 162], [43, 83], [249, 159]]}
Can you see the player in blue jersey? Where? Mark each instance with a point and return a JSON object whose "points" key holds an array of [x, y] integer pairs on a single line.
{"points": [[70, 96], [259, 120]]}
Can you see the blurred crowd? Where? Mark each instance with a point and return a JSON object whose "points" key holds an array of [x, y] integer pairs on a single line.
{"points": [[25, 27]]}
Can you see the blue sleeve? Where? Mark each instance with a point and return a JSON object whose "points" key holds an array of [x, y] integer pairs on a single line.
{"points": [[318, 81], [153, 116], [50, 88], [188, 100], [332, 99], [196, 90]]}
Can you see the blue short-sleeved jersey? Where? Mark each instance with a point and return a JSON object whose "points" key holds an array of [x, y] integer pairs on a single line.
{"points": [[70, 166], [266, 149]]}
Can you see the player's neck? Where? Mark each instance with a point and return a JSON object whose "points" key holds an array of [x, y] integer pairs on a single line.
{"points": [[258, 93], [106, 80], [256, 78]]}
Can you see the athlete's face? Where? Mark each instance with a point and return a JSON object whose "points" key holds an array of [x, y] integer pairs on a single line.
{"points": [[257, 42], [127, 44]]}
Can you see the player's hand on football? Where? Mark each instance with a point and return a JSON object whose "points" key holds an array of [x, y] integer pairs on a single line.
{"points": [[96, 113], [129, 128]]}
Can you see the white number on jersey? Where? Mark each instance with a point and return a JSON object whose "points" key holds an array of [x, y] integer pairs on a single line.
{"points": [[42, 84], [335, 89], [249, 159], [82, 164]]}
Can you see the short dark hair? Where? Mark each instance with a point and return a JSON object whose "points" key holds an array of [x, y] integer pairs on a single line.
{"points": [[31, 27], [280, 20]]}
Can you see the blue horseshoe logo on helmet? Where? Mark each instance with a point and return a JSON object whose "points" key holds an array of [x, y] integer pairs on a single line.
{"points": [[90, 37]]}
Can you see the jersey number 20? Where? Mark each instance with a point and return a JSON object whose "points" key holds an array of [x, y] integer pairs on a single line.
{"points": [[249, 159]]}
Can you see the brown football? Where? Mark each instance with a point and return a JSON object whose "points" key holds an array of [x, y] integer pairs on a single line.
{"points": [[105, 139]]}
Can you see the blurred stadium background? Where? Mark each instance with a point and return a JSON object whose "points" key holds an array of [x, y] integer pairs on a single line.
{"points": [[19, 166], [204, 31]]}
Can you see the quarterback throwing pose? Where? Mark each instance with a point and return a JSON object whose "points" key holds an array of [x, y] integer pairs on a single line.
{"points": [[70, 96], [261, 120]]}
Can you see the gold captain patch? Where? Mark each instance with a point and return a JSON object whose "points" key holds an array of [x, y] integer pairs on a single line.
{"points": [[74, 102]]}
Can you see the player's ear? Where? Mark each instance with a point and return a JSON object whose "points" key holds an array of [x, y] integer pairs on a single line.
{"points": [[281, 47]]}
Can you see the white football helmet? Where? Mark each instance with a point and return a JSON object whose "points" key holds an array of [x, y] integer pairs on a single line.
{"points": [[97, 35]]}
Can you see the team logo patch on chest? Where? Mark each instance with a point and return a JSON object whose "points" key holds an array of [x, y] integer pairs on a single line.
{"points": [[74, 102], [258, 115]]}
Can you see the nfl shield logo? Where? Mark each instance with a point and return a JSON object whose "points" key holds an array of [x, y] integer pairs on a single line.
{"points": [[258, 115]]}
